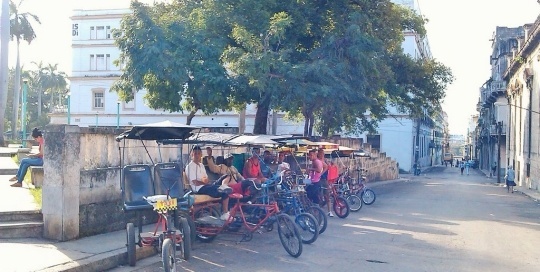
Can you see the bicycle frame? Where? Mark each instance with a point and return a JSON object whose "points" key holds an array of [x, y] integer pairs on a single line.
{"points": [[238, 210]]}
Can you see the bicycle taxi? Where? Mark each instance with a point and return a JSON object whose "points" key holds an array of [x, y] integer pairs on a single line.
{"points": [[245, 217], [156, 186]]}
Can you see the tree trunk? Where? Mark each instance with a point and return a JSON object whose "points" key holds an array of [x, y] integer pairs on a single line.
{"points": [[311, 123], [16, 97], [261, 117], [306, 124], [190, 116], [4, 67]]}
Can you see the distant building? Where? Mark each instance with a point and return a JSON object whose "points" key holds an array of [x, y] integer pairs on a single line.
{"points": [[490, 132], [523, 108]]}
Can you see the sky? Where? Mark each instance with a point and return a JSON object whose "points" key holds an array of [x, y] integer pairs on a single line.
{"points": [[458, 32]]}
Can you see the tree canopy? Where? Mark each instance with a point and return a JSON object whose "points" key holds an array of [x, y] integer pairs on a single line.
{"points": [[337, 63]]}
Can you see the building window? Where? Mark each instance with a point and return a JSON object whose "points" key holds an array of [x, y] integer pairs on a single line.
{"points": [[99, 99], [100, 62], [92, 62], [131, 104], [108, 32], [92, 33], [100, 33]]}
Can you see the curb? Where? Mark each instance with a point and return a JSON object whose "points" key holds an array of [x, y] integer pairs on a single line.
{"points": [[102, 261]]}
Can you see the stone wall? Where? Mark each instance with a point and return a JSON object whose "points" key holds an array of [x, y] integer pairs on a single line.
{"points": [[81, 188]]}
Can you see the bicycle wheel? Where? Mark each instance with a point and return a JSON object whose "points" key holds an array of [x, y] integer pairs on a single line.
{"points": [[192, 228], [206, 211], [355, 202], [308, 227], [319, 214], [186, 239], [289, 236], [168, 255], [130, 231], [368, 196], [341, 207]]}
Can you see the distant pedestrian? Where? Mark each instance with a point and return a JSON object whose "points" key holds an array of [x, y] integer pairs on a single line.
{"points": [[462, 166], [509, 177], [467, 167], [494, 168]]}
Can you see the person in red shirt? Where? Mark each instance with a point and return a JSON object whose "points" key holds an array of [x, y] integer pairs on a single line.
{"points": [[252, 167], [32, 160]]}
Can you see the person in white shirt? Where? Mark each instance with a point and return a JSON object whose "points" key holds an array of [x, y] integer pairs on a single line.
{"points": [[198, 180]]}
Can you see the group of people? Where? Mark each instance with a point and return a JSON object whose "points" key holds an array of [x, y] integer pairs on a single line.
{"points": [[320, 173]]}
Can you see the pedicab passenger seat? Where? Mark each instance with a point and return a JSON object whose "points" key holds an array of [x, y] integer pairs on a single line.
{"points": [[199, 199], [168, 175], [136, 184]]}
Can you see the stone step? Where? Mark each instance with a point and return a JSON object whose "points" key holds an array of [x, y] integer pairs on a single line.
{"points": [[21, 216], [21, 229], [11, 172]]}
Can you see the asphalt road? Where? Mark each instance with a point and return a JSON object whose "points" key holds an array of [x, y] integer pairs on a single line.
{"points": [[439, 221]]}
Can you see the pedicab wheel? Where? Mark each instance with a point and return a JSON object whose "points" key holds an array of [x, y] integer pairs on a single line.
{"points": [[186, 238], [308, 227], [207, 211], [319, 214], [192, 228], [341, 207], [130, 231], [355, 202], [168, 255], [368, 196], [289, 235]]}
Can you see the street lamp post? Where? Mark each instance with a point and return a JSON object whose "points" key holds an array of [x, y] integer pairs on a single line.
{"points": [[23, 111], [69, 108], [117, 114]]}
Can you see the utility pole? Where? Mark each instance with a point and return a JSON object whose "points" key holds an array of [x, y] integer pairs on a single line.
{"points": [[499, 128], [4, 56]]}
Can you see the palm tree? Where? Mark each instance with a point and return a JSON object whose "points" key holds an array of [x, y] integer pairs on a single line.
{"points": [[21, 29], [4, 45], [54, 82]]}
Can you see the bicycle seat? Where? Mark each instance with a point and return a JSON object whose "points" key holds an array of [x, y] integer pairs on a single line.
{"points": [[236, 196]]}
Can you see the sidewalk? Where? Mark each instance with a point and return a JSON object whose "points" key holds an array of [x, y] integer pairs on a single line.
{"points": [[533, 194]]}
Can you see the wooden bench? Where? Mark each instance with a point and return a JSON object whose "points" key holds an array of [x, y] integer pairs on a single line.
{"points": [[36, 173]]}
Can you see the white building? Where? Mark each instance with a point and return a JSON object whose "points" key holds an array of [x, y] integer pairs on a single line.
{"points": [[92, 103]]}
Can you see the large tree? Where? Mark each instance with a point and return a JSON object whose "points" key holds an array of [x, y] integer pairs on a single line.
{"points": [[172, 55], [338, 63], [20, 29]]}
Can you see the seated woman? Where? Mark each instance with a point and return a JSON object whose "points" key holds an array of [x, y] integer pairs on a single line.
{"points": [[32, 160]]}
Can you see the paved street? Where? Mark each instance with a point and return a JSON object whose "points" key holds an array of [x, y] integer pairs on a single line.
{"points": [[440, 221]]}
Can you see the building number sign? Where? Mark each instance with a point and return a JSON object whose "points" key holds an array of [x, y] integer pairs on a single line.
{"points": [[75, 30]]}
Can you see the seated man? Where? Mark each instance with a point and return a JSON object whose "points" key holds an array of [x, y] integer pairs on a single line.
{"points": [[208, 157], [233, 179], [198, 180]]}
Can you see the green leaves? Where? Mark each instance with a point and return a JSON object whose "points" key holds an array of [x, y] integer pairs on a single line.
{"points": [[338, 63]]}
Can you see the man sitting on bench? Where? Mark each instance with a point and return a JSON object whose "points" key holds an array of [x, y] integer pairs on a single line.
{"points": [[234, 179], [198, 180]]}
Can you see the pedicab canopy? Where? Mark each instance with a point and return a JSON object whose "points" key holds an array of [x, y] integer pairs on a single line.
{"points": [[158, 131]]}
